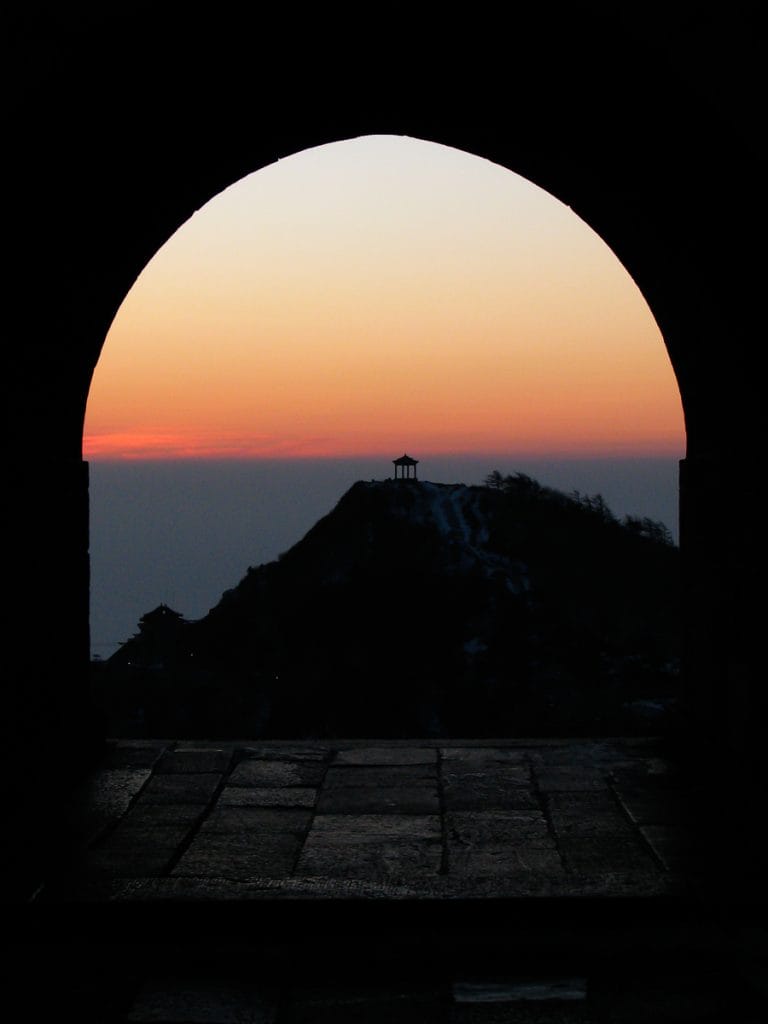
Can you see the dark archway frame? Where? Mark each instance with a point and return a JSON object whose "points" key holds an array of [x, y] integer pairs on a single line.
{"points": [[129, 124]]}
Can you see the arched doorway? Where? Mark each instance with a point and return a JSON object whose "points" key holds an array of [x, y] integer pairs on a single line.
{"points": [[512, 358], [629, 150]]}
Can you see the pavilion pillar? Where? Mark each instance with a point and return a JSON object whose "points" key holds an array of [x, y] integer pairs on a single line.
{"points": [[405, 464]]}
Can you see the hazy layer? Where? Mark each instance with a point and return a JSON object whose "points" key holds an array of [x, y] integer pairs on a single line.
{"points": [[183, 532]]}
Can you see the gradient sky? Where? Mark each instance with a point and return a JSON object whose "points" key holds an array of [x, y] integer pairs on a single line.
{"points": [[378, 295]]}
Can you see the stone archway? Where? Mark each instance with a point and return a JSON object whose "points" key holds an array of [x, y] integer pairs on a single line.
{"points": [[157, 363], [615, 131], [164, 239]]}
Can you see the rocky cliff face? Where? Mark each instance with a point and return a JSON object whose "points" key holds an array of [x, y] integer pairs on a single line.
{"points": [[421, 608]]}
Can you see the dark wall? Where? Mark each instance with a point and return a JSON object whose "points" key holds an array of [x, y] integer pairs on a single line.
{"points": [[118, 126]]}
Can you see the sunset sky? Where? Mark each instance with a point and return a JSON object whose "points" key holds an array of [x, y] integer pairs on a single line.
{"points": [[378, 295]]}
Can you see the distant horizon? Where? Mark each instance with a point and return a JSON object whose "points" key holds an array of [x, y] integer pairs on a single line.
{"points": [[619, 451]]}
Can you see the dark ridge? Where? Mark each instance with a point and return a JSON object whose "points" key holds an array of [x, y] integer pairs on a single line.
{"points": [[422, 609]]}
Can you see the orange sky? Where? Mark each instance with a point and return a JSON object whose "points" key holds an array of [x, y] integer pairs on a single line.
{"points": [[377, 295]]}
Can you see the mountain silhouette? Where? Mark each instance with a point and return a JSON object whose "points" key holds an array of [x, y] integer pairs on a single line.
{"points": [[416, 608]]}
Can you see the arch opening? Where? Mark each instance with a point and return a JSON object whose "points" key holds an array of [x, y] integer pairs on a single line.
{"points": [[317, 371]]}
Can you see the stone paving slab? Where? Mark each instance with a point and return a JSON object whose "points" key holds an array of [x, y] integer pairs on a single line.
{"points": [[570, 779], [655, 807], [254, 772], [133, 754], [379, 800], [476, 828], [589, 826], [381, 776], [160, 815], [129, 837], [180, 789], [108, 862], [193, 760], [590, 856], [240, 855], [553, 885], [487, 793], [102, 799], [220, 889], [502, 775], [286, 752], [585, 803], [644, 771], [370, 856], [400, 826], [491, 860], [272, 796], [424, 820], [482, 756], [578, 753], [621, 884], [257, 819], [386, 755]]}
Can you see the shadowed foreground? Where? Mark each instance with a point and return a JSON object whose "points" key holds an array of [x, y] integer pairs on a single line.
{"points": [[387, 819], [420, 880]]}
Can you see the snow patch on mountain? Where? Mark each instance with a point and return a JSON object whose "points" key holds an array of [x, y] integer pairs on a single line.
{"points": [[455, 511]]}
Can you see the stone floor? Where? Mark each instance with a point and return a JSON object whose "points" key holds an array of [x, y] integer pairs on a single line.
{"points": [[460, 882], [393, 820]]}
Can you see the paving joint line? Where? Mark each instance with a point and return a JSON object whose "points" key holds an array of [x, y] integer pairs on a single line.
{"points": [[205, 811], [89, 842], [543, 799], [635, 825], [444, 868], [637, 831], [106, 830], [327, 760]]}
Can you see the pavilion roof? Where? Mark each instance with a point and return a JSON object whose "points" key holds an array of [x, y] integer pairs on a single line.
{"points": [[405, 460]]}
